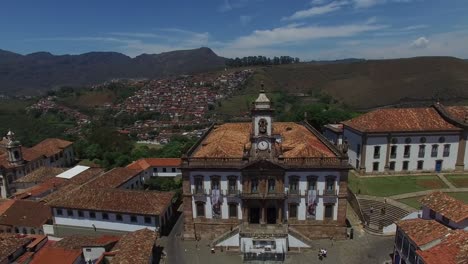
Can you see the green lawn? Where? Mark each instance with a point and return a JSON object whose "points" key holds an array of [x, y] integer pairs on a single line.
{"points": [[414, 201], [460, 181], [393, 185]]}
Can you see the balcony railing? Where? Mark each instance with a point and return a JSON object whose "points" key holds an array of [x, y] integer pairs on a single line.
{"points": [[330, 192], [307, 162]]}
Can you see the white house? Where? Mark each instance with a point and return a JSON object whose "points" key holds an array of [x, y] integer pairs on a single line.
{"points": [[110, 210], [446, 210], [158, 167], [405, 140]]}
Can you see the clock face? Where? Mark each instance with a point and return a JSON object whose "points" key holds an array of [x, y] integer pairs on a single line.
{"points": [[263, 145]]}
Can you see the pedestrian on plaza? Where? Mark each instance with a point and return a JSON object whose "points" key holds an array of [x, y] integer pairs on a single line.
{"points": [[371, 209], [212, 250]]}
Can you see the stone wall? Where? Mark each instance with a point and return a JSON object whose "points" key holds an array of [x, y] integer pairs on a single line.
{"points": [[213, 228]]}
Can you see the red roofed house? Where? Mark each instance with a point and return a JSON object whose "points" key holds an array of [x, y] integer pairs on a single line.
{"points": [[25, 217], [395, 140], [158, 167], [17, 161], [440, 236], [264, 179]]}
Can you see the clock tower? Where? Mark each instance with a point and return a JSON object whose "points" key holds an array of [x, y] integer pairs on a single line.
{"points": [[262, 122]]}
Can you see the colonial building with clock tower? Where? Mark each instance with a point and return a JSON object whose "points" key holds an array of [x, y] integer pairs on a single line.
{"points": [[264, 185]]}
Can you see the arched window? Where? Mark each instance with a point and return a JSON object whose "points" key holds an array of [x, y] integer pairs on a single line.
{"points": [[294, 184]]}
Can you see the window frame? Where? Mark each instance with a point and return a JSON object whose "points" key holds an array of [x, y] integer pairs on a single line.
{"points": [[199, 205], [407, 151], [332, 205], [420, 165], [392, 165], [105, 216], [133, 219], [230, 207], [295, 206], [434, 151], [271, 180], [393, 151], [405, 165], [254, 182], [446, 152], [374, 165], [119, 217], [59, 211], [294, 184], [92, 215], [422, 151], [377, 152]]}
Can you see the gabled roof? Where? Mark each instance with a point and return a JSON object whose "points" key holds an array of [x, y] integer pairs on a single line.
{"points": [[459, 113], [26, 213], [143, 164], [422, 231], [54, 255], [135, 247], [446, 205], [40, 175], [51, 146], [115, 200], [79, 241], [452, 250], [115, 177], [5, 204], [424, 119], [10, 243]]}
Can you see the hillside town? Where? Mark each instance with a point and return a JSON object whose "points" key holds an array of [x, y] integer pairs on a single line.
{"points": [[252, 191]]}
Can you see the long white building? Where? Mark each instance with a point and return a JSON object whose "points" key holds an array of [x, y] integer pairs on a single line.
{"points": [[406, 140]]}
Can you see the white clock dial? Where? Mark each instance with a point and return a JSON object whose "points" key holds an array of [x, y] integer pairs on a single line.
{"points": [[263, 145]]}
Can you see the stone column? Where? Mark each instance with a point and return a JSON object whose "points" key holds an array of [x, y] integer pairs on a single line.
{"points": [[280, 212], [362, 167], [460, 165], [263, 212], [189, 226]]}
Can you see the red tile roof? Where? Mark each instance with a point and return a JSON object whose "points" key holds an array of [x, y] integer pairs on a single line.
{"points": [[48, 186], [446, 205], [452, 250], [115, 177], [143, 164], [135, 247], [115, 200], [53, 255], [460, 113], [401, 120], [10, 243], [230, 139], [26, 213], [51, 146], [40, 175], [78, 241], [422, 231], [5, 204]]}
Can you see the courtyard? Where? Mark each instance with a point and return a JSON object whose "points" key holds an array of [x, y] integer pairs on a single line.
{"points": [[364, 248]]}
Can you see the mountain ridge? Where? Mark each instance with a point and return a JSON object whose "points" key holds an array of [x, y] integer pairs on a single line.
{"points": [[37, 72]]}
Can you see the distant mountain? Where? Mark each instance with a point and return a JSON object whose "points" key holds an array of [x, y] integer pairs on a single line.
{"points": [[41, 71]]}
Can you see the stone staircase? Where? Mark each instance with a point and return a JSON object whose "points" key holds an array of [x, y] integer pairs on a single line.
{"points": [[225, 236], [375, 218]]}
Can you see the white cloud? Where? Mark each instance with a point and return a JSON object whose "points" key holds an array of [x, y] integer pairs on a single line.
{"points": [[317, 2], [420, 43], [367, 3], [317, 10], [229, 5], [295, 34], [245, 20]]}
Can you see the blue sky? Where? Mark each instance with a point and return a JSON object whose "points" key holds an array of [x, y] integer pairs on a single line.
{"points": [[312, 29]]}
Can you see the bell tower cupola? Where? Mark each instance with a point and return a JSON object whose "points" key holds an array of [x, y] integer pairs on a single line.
{"points": [[262, 115], [15, 155]]}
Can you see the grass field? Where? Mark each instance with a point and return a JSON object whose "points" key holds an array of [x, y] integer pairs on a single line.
{"points": [[460, 181], [414, 201], [393, 185]]}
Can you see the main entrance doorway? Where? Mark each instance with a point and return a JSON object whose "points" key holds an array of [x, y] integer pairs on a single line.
{"points": [[254, 215], [271, 215]]}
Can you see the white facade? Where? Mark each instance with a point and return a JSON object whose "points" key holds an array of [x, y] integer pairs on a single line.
{"points": [[165, 171], [301, 202], [99, 221], [438, 217], [403, 152]]}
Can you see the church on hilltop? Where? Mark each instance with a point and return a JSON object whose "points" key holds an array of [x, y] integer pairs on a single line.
{"points": [[264, 185]]}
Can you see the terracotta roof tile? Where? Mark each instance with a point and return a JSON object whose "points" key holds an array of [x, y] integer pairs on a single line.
{"points": [[115, 200], [78, 241], [40, 175], [446, 205], [459, 113], [115, 177], [26, 213], [135, 247], [5, 204], [452, 250], [228, 141], [401, 120], [51, 146], [10, 243], [53, 255], [48, 186], [30, 154], [143, 164], [422, 231]]}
